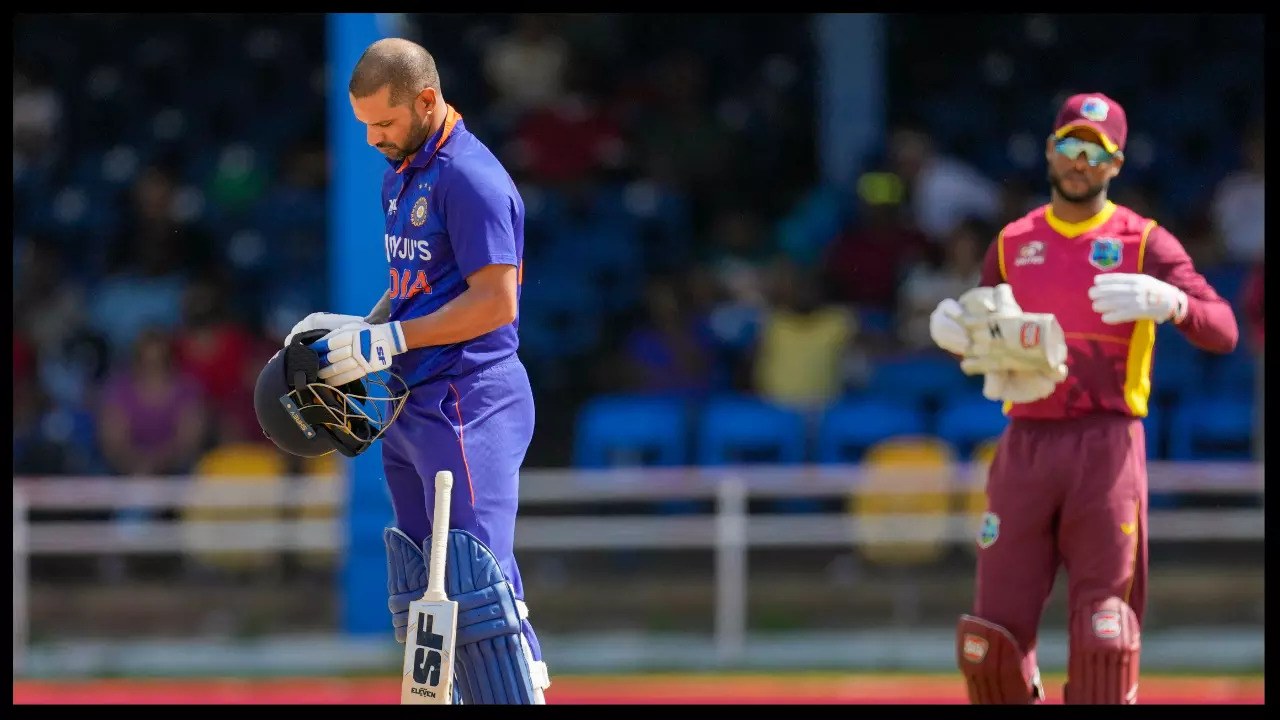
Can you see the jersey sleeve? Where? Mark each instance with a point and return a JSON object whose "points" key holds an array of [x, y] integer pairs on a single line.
{"points": [[1209, 323], [479, 215], [993, 264]]}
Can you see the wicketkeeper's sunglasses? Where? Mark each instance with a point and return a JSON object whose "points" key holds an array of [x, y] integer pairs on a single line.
{"points": [[1094, 153]]}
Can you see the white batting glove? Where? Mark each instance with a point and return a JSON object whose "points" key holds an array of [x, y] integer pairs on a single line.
{"points": [[946, 327], [1126, 297], [351, 352], [321, 321]]}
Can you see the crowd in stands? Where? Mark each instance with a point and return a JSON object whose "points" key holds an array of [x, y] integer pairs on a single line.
{"points": [[678, 242]]}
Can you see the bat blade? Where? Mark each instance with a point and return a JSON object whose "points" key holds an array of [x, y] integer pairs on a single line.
{"points": [[433, 620], [428, 657]]}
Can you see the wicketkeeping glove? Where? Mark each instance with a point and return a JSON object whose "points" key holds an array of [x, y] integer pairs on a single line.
{"points": [[321, 321], [1008, 338], [351, 352], [1127, 297], [946, 327], [1018, 387]]}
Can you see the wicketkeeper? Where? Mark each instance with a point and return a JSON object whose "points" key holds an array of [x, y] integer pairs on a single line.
{"points": [[1063, 331]]}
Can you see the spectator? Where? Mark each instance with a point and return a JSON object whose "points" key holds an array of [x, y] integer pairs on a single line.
{"points": [[151, 417], [863, 264], [738, 255], [24, 359], [145, 288], [37, 113], [224, 359], [566, 140], [928, 284], [941, 190], [672, 352], [526, 68], [1239, 203], [803, 342], [678, 134], [1255, 326], [1017, 198], [48, 304]]}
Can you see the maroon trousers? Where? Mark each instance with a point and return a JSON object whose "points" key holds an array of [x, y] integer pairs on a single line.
{"points": [[1063, 492]]}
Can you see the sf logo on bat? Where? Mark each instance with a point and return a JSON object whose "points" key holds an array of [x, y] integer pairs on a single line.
{"points": [[427, 660]]}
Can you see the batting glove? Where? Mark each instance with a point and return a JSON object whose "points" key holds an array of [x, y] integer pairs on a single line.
{"points": [[351, 352], [321, 321], [1124, 298]]}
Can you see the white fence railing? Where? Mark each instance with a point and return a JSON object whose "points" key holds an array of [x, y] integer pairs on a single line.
{"points": [[730, 531]]}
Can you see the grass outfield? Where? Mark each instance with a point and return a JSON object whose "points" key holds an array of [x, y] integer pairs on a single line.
{"points": [[748, 688]]}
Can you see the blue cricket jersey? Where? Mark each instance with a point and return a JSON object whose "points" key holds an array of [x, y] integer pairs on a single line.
{"points": [[451, 209]]}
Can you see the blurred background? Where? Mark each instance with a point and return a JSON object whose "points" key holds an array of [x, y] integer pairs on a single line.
{"points": [[737, 227]]}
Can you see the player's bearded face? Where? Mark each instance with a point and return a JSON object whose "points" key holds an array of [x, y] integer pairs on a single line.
{"points": [[418, 128], [1074, 179], [1076, 186]]}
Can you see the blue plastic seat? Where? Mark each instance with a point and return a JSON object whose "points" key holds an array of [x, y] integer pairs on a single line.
{"points": [[1212, 428], [1154, 428], [734, 429], [849, 427], [966, 420], [1228, 280], [1232, 374], [559, 314], [917, 380], [617, 431]]}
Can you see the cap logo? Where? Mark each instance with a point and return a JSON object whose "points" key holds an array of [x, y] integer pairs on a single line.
{"points": [[1094, 109]]}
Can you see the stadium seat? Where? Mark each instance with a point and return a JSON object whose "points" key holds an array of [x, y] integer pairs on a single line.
{"points": [[1228, 280], [917, 380], [1177, 367], [1153, 426], [245, 465], [1232, 374], [733, 429], [967, 420], [1212, 428], [904, 476], [851, 426], [631, 430]]}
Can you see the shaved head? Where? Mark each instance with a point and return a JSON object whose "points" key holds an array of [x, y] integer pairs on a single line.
{"points": [[402, 65]]}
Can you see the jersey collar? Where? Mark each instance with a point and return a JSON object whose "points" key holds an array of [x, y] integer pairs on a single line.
{"points": [[1070, 229], [435, 142]]}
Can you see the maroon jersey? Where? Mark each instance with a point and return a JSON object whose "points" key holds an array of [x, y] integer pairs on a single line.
{"points": [[1051, 264]]}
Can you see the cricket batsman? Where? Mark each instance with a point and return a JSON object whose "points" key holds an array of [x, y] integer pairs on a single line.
{"points": [[1062, 328], [447, 326]]}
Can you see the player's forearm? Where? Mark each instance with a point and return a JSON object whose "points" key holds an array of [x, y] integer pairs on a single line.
{"points": [[473, 313], [1210, 325], [380, 312]]}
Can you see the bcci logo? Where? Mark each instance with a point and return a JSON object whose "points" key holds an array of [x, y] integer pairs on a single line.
{"points": [[1094, 109], [419, 214], [1105, 253]]}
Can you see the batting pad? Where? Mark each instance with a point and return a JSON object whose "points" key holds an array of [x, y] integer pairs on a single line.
{"points": [[406, 577], [493, 664]]}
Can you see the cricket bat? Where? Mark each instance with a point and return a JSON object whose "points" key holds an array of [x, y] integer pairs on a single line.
{"points": [[433, 620]]}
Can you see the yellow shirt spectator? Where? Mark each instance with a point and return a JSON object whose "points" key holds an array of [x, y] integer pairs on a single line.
{"points": [[800, 356]]}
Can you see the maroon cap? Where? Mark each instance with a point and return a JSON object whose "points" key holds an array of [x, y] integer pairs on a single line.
{"points": [[1098, 113]]}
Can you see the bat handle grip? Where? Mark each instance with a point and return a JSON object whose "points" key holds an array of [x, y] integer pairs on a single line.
{"points": [[439, 537]]}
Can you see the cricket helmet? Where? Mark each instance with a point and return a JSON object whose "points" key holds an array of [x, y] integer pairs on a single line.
{"points": [[306, 417]]}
